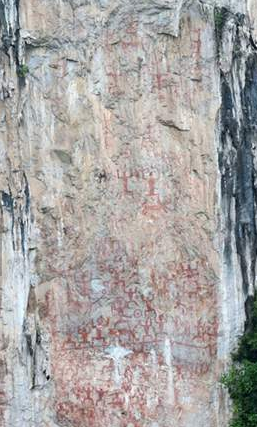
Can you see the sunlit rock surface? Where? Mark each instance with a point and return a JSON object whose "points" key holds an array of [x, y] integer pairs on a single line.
{"points": [[128, 215]]}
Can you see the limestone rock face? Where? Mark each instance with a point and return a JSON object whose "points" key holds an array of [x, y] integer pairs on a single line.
{"points": [[128, 208]]}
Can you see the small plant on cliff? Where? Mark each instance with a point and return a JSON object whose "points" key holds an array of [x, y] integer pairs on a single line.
{"points": [[220, 17], [23, 70], [241, 379]]}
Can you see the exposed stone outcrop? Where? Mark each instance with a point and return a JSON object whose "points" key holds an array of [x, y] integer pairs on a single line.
{"points": [[237, 158], [128, 215]]}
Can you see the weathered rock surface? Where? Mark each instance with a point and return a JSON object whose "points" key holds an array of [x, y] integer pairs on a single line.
{"points": [[128, 217]]}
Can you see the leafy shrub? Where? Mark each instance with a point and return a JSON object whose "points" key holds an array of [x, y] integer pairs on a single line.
{"points": [[23, 70], [241, 379]]}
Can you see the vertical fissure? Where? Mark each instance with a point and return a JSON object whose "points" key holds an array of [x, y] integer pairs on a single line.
{"points": [[236, 161]]}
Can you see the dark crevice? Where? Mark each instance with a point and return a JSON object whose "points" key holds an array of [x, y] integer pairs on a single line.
{"points": [[22, 229], [38, 337], [17, 33], [27, 193], [46, 375], [29, 344], [6, 36], [21, 77], [236, 162], [252, 42], [10, 36], [8, 203], [249, 308]]}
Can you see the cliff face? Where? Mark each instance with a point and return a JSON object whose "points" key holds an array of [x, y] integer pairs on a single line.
{"points": [[128, 217]]}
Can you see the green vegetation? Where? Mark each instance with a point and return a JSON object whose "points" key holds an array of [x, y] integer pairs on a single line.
{"points": [[23, 70], [241, 380], [220, 17]]}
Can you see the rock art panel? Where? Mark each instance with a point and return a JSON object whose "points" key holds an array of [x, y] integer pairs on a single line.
{"points": [[118, 306]]}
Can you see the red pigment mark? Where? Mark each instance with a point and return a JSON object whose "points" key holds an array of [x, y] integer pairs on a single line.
{"points": [[160, 78], [191, 371], [196, 43], [151, 183], [3, 397], [148, 136], [125, 183], [131, 39], [153, 203], [109, 41], [114, 83], [108, 136], [86, 389]]}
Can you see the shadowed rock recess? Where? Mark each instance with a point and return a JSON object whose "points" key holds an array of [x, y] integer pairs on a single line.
{"points": [[128, 185]]}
